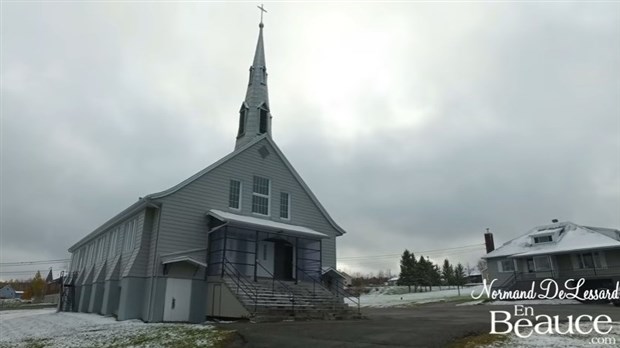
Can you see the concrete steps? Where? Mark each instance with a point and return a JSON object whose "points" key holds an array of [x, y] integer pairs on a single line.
{"points": [[276, 301]]}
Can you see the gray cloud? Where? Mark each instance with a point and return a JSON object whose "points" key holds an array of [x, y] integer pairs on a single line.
{"points": [[417, 125]]}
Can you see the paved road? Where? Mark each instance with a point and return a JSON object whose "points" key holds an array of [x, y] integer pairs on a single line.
{"points": [[432, 325]]}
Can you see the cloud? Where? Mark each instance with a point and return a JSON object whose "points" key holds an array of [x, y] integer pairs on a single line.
{"points": [[433, 121]]}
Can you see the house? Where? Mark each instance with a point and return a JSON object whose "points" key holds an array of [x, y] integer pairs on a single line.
{"points": [[241, 236], [392, 281], [474, 277], [7, 292], [561, 251]]}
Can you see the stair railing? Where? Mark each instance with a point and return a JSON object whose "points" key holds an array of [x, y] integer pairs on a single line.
{"points": [[281, 284], [338, 291], [240, 281]]}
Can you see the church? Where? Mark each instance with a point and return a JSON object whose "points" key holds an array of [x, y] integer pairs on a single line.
{"points": [[241, 237]]}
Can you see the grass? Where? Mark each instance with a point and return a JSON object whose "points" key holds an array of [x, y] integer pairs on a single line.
{"points": [[474, 340], [177, 336], [164, 336]]}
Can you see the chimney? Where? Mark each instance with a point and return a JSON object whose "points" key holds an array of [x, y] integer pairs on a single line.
{"points": [[488, 241]]}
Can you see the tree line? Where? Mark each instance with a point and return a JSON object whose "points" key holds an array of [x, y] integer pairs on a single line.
{"points": [[423, 273], [34, 288]]}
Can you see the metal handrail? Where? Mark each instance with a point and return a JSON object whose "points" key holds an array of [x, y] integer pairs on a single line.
{"points": [[241, 283], [339, 291], [273, 282]]}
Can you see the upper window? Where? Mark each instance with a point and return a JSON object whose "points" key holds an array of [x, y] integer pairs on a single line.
{"points": [[506, 266], [263, 121], [260, 195], [234, 195], [285, 205], [543, 239], [242, 114]]}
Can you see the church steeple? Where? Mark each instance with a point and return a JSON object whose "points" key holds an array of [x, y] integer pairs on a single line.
{"points": [[254, 115]]}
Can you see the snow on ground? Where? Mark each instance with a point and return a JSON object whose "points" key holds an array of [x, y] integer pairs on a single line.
{"points": [[47, 328], [397, 296], [556, 340]]}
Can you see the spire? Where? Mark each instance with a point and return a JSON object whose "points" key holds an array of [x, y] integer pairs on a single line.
{"points": [[254, 115]]}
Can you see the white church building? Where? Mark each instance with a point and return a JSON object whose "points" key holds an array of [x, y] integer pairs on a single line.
{"points": [[241, 237]]}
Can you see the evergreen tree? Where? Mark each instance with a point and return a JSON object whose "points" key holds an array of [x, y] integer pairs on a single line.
{"points": [[407, 270], [447, 273], [460, 278], [435, 275]]}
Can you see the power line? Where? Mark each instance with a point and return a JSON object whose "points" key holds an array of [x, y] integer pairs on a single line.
{"points": [[24, 272], [434, 251], [21, 263]]}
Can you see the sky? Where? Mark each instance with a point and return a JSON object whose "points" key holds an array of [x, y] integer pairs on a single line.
{"points": [[417, 125]]}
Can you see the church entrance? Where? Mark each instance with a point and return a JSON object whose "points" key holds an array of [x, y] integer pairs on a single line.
{"points": [[283, 260]]}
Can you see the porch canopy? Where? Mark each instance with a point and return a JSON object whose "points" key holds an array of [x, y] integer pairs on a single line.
{"points": [[264, 225], [250, 246]]}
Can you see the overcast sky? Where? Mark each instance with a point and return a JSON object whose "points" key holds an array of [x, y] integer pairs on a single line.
{"points": [[417, 125]]}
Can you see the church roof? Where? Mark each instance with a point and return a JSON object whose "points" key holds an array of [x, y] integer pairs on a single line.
{"points": [[151, 199]]}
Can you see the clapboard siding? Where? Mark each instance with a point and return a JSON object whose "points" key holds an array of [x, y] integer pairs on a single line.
{"points": [[126, 257], [153, 241], [183, 220]]}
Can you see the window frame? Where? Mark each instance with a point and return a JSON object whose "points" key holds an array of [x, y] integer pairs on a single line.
{"points": [[597, 261], [257, 194], [537, 263], [239, 195], [550, 236], [288, 205], [502, 269]]}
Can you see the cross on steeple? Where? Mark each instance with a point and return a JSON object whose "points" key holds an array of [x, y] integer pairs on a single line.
{"points": [[262, 10]]}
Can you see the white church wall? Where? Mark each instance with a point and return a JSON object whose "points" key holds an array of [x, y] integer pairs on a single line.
{"points": [[183, 222]]}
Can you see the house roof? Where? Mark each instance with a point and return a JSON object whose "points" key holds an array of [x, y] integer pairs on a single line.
{"points": [[568, 237], [265, 224], [150, 200], [325, 270]]}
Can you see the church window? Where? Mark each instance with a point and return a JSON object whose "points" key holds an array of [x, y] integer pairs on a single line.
{"points": [[242, 114], [263, 121], [234, 195], [285, 205], [260, 195]]}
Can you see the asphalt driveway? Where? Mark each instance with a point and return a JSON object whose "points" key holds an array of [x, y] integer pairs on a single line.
{"points": [[431, 325]]}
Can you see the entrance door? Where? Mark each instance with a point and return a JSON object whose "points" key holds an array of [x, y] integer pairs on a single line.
{"points": [[283, 260], [178, 294]]}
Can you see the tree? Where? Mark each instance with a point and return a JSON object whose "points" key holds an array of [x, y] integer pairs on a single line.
{"points": [[447, 273], [459, 275], [436, 276], [38, 287], [482, 266], [407, 270]]}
